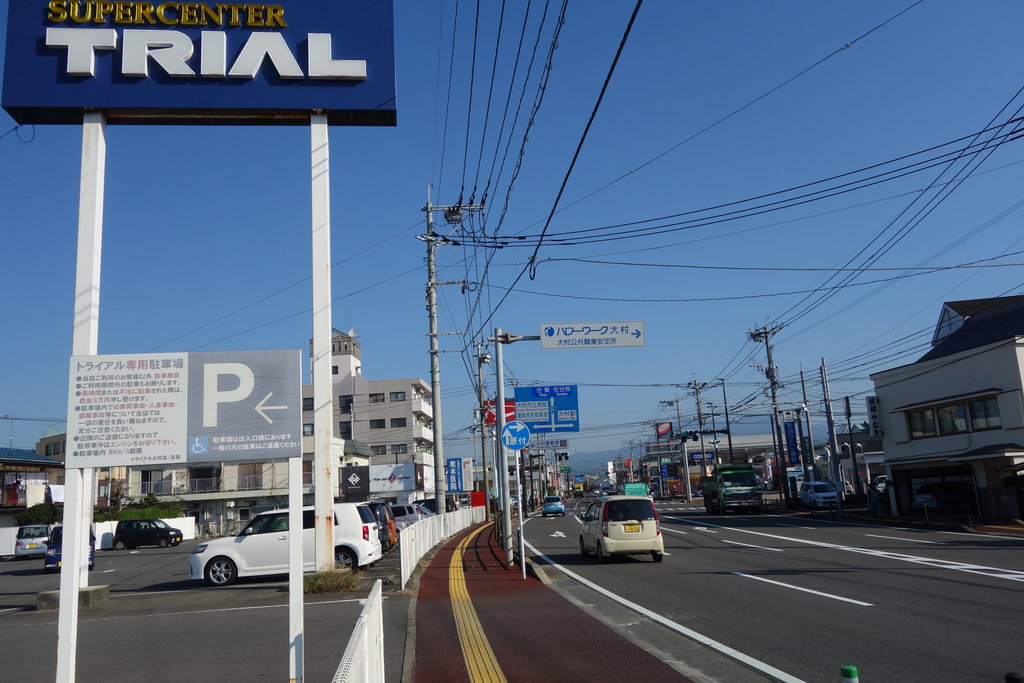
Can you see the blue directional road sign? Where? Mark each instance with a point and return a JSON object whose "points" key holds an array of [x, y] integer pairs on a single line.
{"points": [[515, 435], [548, 409]]}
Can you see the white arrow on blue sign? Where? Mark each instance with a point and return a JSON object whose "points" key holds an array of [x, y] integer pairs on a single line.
{"points": [[515, 435]]}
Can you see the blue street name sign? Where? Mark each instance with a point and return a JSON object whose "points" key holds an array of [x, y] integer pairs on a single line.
{"points": [[515, 435]]}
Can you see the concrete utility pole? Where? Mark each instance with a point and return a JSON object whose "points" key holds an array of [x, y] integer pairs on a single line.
{"points": [[697, 386], [771, 372], [725, 404], [452, 214], [807, 417], [481, 359]]}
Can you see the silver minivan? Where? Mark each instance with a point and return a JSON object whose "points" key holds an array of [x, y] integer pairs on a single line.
{"points": [[621, 525]]}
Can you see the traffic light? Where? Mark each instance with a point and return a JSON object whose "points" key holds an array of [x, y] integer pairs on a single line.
{"points": [[693, 436]]}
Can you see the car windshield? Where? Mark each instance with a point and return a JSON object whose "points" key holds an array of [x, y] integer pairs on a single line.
{"points": [[552, 499], [822, 488], [32, 532], [739, 479], [622, 510], [160, 524]]}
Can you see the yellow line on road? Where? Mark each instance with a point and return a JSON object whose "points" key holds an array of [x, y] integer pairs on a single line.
{"points": [[476, 649]]}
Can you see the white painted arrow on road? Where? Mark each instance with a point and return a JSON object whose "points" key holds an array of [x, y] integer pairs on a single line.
{"points": [[558, 534], [704, 529]]}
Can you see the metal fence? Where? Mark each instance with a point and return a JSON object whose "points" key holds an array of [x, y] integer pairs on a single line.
{"points": [[416, 540], [364, 655]]}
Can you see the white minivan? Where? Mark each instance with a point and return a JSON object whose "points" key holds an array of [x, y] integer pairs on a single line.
{"points": [[261, 548], [621, 525]]}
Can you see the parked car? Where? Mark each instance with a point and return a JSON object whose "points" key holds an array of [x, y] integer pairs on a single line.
{"points": [[388, 532], [408, 514], [261, 547], [553, 505], [815, 494], [880, 483], [52, 558], [31, 540], [622, 525], [131, 533], [948, 496]]}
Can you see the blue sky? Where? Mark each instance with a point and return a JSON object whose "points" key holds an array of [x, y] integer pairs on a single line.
{"points": [[206, 237]]}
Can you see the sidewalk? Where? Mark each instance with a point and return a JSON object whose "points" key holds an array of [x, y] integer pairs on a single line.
{"points": [[474, 619]]}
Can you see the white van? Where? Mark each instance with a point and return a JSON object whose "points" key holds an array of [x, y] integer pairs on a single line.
{"points": [[621, 525], [261, 548]]}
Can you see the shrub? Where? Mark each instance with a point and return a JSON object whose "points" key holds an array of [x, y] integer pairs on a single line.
{"points": [[44, 513], [333, 581]]}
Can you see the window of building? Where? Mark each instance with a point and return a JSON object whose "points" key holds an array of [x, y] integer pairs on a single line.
{"points": [[378, 424], [985, 414], [397, 395], [379, 450], [922, 423], [952, 419], [345, 404], [376, 398], [334, 369], [307, 472], [399, 449], [398, 422], [307, 403], [345, 429], [307, 429]]}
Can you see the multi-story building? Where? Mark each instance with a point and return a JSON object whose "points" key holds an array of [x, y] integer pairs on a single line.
{"points": [[955, 417]]}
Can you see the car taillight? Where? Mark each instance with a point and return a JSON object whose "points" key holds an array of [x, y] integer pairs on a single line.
{"points": [[604, 520], [657, 524], [366, 533]]}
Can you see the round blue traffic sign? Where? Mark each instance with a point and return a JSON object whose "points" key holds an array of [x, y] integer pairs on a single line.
{"points": [[515, 435]]}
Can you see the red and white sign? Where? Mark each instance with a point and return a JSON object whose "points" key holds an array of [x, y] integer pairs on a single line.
{"points": [[490, 417]]}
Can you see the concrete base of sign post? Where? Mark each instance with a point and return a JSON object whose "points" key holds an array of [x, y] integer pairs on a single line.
{"points": [[87, 596]]}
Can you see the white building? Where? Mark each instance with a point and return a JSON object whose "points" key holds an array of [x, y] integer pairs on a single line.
{"points": [[957, 415]]}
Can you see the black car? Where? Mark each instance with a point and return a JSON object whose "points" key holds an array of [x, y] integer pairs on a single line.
{"points": [[131, 533]]}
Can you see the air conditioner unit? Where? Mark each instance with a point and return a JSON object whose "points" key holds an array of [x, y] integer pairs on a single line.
{"points": [[230, 504]]}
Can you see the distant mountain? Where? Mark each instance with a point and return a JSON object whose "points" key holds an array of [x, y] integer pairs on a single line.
{"points": [[592, 463]]}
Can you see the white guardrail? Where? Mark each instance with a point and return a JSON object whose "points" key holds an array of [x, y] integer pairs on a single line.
{"points": [[363, 660], [364, 655], [416, 540]]}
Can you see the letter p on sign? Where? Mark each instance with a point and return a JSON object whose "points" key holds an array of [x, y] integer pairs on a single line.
{"points": [[213, 396]]}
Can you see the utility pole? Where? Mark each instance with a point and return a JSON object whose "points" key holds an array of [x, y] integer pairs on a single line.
{"points": [[481, 359], [697, 386], [771, 372], [452, 214], [685, 461], [833, 442], [725, 403], [807, 417]]}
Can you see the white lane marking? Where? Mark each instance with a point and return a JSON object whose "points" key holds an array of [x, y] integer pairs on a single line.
{"points": [[795, 526], [689, 633], [909, 540], [805, 590], [751, 545], [992, 572], [558, 534], [675, 531]]}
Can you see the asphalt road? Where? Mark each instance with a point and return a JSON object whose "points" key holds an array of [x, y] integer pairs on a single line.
{"points": [[806, 595], [158, 626]]}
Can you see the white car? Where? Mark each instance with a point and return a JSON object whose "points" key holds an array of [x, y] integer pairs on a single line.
{"points": [[815, 494], [621, 525], [261, 548]]}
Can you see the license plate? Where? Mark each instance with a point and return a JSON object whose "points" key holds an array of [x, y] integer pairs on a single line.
{"points": [[32, 545], [631, 528]]}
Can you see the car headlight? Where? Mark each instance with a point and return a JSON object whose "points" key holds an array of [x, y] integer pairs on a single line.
{"points": [[199, 548], [50, 551]]}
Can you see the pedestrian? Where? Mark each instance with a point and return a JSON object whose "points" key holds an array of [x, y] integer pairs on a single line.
{"points": [[874, 500]]}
